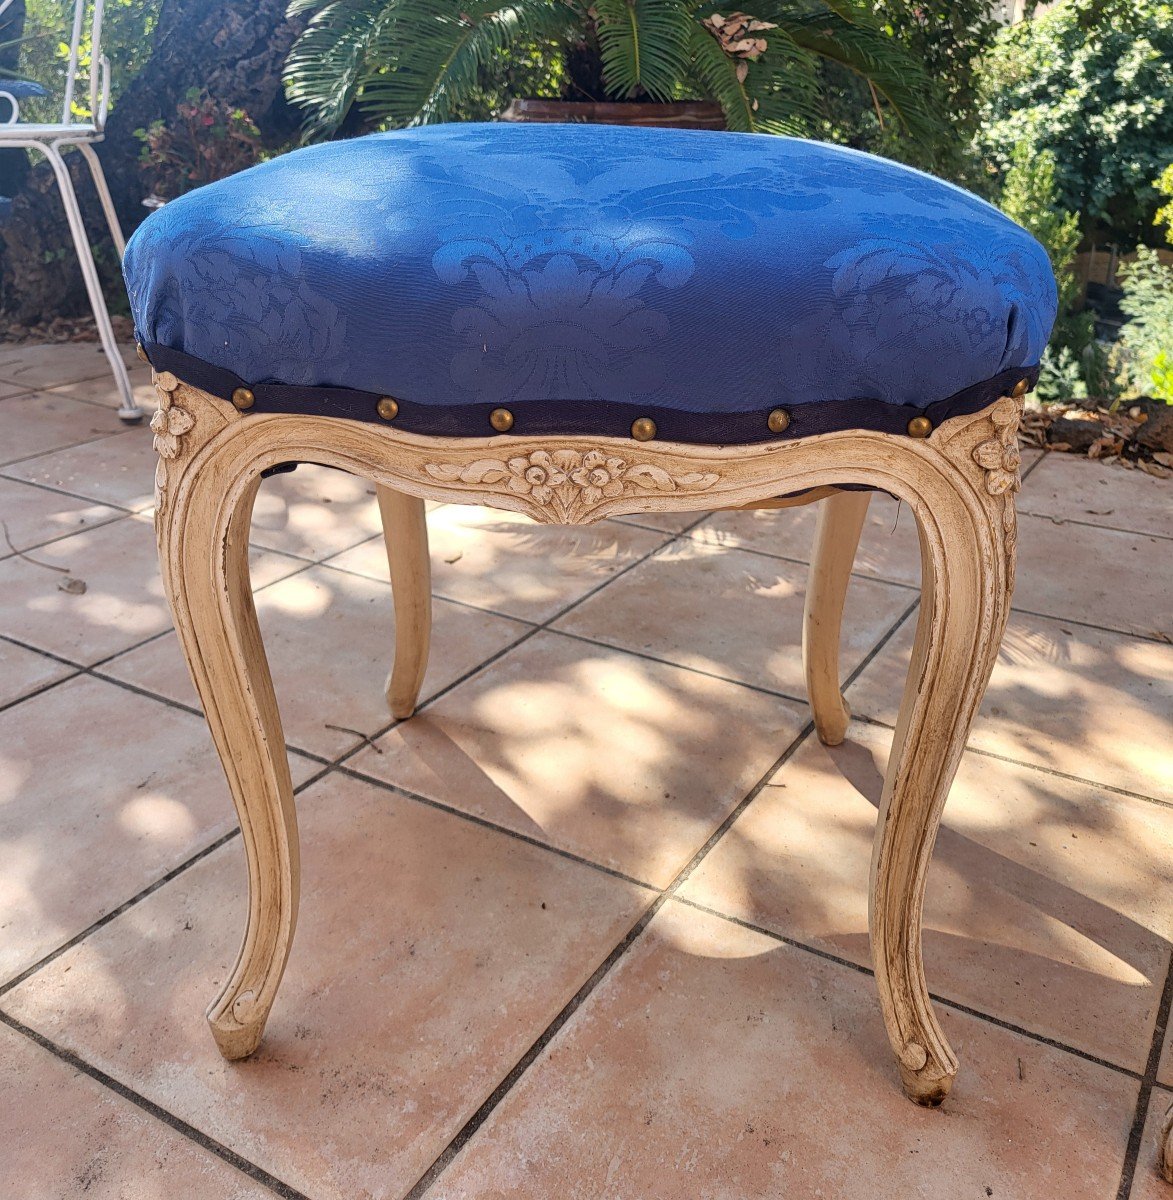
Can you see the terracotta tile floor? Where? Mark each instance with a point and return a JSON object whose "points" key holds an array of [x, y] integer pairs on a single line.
{"points": [[593, 923]]}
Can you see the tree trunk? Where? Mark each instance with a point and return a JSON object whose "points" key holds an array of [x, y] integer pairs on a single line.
{"points": [[232, 49]]}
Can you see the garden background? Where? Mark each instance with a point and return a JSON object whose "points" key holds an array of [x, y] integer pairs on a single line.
{"points": [[1061, 114]]}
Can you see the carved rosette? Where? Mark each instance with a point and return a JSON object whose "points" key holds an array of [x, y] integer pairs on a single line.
{"points": [[999, 457], [568, 485], [169, 424]]}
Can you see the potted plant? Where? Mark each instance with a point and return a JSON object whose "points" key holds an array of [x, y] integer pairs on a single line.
{"points": [[674, 62]]}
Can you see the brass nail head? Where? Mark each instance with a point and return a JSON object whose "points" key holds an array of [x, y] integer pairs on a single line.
{"points": [[501, 420], [920, 427], [243, 398], [1020, 388], [778, 421], [643, 429], [387, 408]]}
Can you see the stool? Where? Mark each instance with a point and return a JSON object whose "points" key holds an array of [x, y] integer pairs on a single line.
{"points": [[578, 322]]}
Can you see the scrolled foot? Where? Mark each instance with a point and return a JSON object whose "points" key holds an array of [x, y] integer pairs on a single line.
{"points": [[926, 1083], [239, 1027], [831, 724], [401, 694]]}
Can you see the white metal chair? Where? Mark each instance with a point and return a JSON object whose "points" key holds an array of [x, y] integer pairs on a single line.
{"points": [[51, 140]]}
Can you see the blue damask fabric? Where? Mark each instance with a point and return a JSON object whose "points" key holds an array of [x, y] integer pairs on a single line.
{"points": [[574, 267]]}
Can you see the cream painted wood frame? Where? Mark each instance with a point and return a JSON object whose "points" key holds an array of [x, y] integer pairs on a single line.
{"points": [[959, 482]]}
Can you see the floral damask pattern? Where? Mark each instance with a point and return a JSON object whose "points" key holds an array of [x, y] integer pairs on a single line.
{"points": [[707, 272]]}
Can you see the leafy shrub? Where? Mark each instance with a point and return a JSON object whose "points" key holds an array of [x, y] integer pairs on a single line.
{"points": [[1073, 366], [206, 140], [1147, 337], [1091, 81], [949, 38]]}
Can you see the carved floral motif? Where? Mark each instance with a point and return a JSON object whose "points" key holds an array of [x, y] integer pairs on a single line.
{"points": [[999, 457], [569, 483], [169, 424]]}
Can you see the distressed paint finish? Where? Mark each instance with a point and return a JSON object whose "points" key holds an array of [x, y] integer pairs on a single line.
{"points": [[964, 505]]}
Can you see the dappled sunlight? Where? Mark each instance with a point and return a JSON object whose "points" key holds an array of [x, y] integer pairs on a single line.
{"points": [[629, 762], [1046, 899], [301, 597], [727, 612], [889, 547], [569, 756], [159, 817], [75, 847], [314, 511], [14, 774], [1089, 703], [510, 563]]}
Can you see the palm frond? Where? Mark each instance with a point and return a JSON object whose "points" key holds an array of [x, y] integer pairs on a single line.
{"points": [[644, 46], [857, 43], [428, 55], [777, 92], [324, 65]]}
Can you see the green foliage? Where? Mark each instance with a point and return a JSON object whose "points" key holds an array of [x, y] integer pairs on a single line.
{"points": [[1147, 337], [1164, 186], [1030, 197], [127, 29], [1091, 81], [407, 62], [1073, 366], [948, 37]]}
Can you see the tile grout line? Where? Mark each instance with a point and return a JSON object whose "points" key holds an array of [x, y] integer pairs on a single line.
{"points": [[1029, 766], [336, 765], [329, 767], [1136, 1134], [617, 952], [98, 437], [474, 1123], [937, 998], [532, 631], [485, 823], [177, 1124], [1060, 521], [60, 491], [173, 873]]}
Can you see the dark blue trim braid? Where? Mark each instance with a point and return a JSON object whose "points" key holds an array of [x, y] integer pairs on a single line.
{"points": [[588, 418]]}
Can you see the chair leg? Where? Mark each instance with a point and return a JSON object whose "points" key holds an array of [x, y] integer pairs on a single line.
{"points": [[967, 567], [405, 532], [129, 410], [99, 177], [202, 522], [837, 533]]}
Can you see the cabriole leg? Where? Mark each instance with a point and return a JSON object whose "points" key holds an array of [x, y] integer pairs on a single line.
{"points": [[840, 522], [967, 567], [202, 520], [405, 531]]}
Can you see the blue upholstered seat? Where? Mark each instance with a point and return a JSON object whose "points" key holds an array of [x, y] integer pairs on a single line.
{"points": [[585, 275]]}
